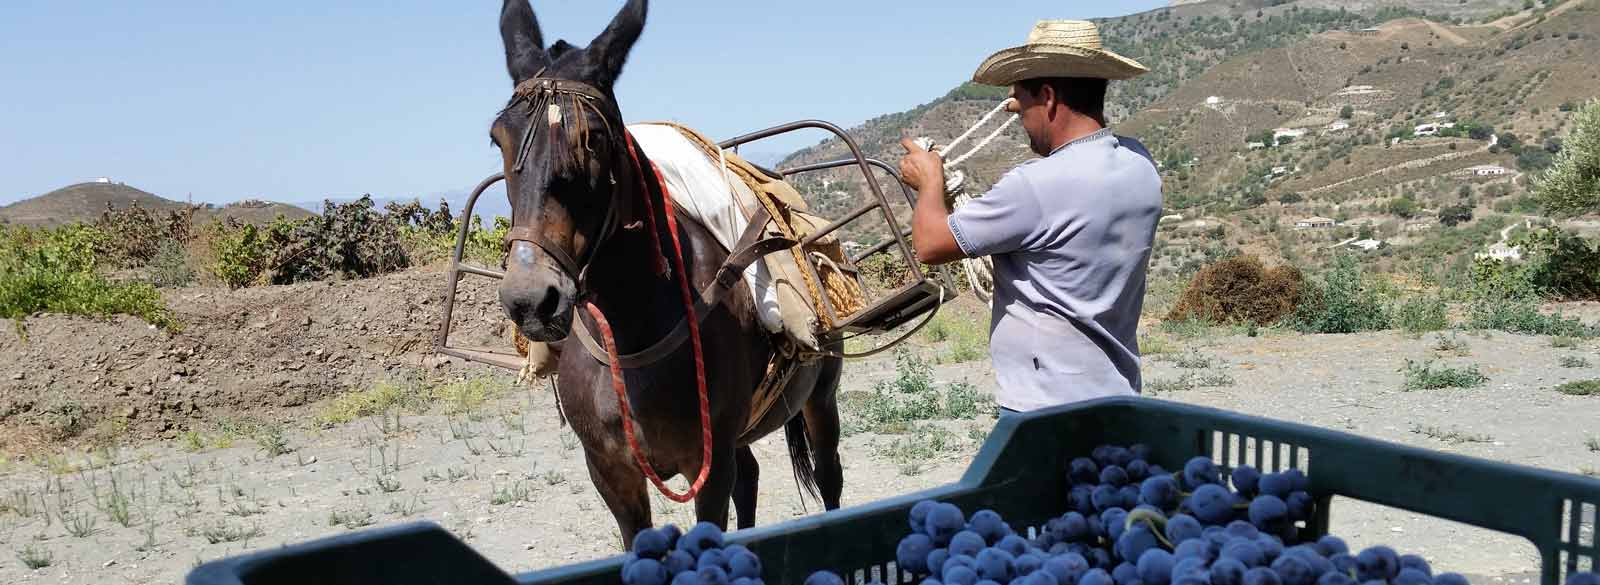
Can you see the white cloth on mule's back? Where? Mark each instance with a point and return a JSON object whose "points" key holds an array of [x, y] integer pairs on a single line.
{"points": [[705, 193]]}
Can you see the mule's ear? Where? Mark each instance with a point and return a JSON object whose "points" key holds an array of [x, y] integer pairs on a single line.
{"points": [[519, 28], [610, 49]]}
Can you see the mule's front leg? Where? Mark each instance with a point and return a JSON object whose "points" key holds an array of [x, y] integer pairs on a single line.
{"points": [[711, 505], [624, 490], [747, 480]]}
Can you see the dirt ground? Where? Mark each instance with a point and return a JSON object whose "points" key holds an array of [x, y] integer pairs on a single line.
{"points": [[503, 474]]}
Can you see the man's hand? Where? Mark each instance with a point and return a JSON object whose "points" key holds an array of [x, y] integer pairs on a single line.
{"points": [[930, 232], [921, 168]]}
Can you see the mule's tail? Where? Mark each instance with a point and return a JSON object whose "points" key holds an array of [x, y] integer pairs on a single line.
{"points": [[805, 468]]}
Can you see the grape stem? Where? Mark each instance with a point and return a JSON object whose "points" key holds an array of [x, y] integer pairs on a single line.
{"points": [[1157, 522]]}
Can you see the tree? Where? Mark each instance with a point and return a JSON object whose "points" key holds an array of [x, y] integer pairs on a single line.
{"points": [[1572, 184], [1454, 215], [1405, 207], [1347, 111]]}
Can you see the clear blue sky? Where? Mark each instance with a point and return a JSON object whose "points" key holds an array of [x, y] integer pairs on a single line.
{"points": [[299, 99]]}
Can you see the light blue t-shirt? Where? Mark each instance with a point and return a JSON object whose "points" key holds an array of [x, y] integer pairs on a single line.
{"points": [[1070, 235]]}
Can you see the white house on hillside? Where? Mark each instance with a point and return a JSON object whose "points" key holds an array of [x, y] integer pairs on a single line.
{"points": [[1501, 251], [1367, 245], [1255, 145], [1338, 125], [1487, 170], [1426, 130], [1315, 222]]}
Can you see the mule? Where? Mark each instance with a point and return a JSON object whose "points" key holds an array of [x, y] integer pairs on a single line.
{"points": [[588, 227]]}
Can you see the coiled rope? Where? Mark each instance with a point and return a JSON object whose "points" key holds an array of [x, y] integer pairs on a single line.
{"points": [[980, 271]]}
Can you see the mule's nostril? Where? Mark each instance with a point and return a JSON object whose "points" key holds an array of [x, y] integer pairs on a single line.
{"points": [[548, 304]]}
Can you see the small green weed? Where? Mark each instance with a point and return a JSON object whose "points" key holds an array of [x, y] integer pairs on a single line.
{"points": [[1425, 376], [1573, 361], [1194, 360], [1453, 436], [1580, 388], [350, 519], [1453, 344], [34, 558]]}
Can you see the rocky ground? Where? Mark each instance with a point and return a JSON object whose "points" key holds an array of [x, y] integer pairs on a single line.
{"points": [[270, 461]]}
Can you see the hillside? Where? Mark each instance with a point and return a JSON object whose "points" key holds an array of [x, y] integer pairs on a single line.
{"points": [[84, 202], [1341, 86]]}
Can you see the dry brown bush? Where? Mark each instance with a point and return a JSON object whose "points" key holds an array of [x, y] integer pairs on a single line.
{"points": [[1240, 290]]}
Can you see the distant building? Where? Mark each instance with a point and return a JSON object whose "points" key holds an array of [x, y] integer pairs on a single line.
{"points": [[103, 180], [1488, 170], [1440, 115], [1367, 245], [1501, 251], [1426, 130], [1255, 145], [1315, 222], [1173, 217], [1276, 171], [1338, 125], [1447, 125], [1213, 100]]}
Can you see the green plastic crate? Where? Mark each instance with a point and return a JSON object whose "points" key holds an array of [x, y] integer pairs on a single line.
{"points": [[1020, 473]]}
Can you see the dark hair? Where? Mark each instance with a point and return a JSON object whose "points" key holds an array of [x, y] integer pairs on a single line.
{"points": [[1084, 95]]}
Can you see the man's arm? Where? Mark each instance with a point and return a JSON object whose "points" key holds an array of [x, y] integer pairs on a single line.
{"points": [[930, 220]]}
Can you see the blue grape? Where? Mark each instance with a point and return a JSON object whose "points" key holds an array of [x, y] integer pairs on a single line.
{"points": [[1135, 540], [714, 575], [1245, 479], [1120, 456], [936, 560], [749, 581], [1300, 504], [1067, 568], [1298, 480], [1099, 557], [1335, 578], [996, 565], [1130, 496], [1029, 563], [1271, 547], [1183, 527], [687, 578], [1106, 496], [959, 575], [1114, 521], [1199, 578], [1261, 576], [1113, 475], [650, 544], [911, 554], [1214, 543], [645, 571], [1013, 544], [1156, 470], [1242, 529], [989, 525], [967, 543], [1060, 548], [1101, 454], [1410, 576], [1192, 549], [1083, 470], [1155, 567], [1275, 484], [712, 558], [961, 561], [943, 522], [1188, 566], [1416, 562], [826, 578], [702, 537], [1457, 579], [919, 514], [1200, 471], [988, 582], [1074, 528], [1294, 570], [931, 581], [1161, 491], [1228, 572], [1330, 545], [1379, 563], [1309, 554], [745, 564], [1081, 499], [1212, 504], [1343, 563], [679, 561], [1037, 578], [1245, 551], [1137, 471], [1125, 574], [1096, 577], [1269, 514]]}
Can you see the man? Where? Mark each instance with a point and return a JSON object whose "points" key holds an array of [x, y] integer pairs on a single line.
{"points": [[1070, 234]]}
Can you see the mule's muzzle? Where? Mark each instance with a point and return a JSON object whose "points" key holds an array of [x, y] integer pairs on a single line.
{"points": [[537, 294]]}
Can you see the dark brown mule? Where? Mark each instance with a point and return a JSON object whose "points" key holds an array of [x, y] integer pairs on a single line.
{"points": [[580, 231]]}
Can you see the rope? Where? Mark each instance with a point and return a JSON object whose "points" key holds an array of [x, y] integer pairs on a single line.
{"points": [[620, 386], [980, 271]]}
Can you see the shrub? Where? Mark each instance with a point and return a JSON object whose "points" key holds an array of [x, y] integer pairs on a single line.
{"points": [[55, 271], [1580, 388], [1421, 314], [1560, 264], [241, 254], [350, 240], [1342, 301], [1571, 186], [1240, 290], [135, 234], [1425, 376], [1454, 215], [169, 268]]}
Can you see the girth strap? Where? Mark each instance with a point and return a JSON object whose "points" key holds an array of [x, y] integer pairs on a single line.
{"points": [[750, 249]]}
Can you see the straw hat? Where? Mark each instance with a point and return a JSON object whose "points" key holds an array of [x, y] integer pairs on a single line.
{"points": [[1057, 48]]}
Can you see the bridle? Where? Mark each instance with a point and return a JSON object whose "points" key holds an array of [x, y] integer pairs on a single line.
{"points": [[548, 101]]}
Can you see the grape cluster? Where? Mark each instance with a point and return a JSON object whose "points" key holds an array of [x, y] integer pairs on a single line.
{"points": [[1129, 522]]}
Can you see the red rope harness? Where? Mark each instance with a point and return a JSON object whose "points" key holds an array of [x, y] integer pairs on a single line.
{"points": [[694, 340]]}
